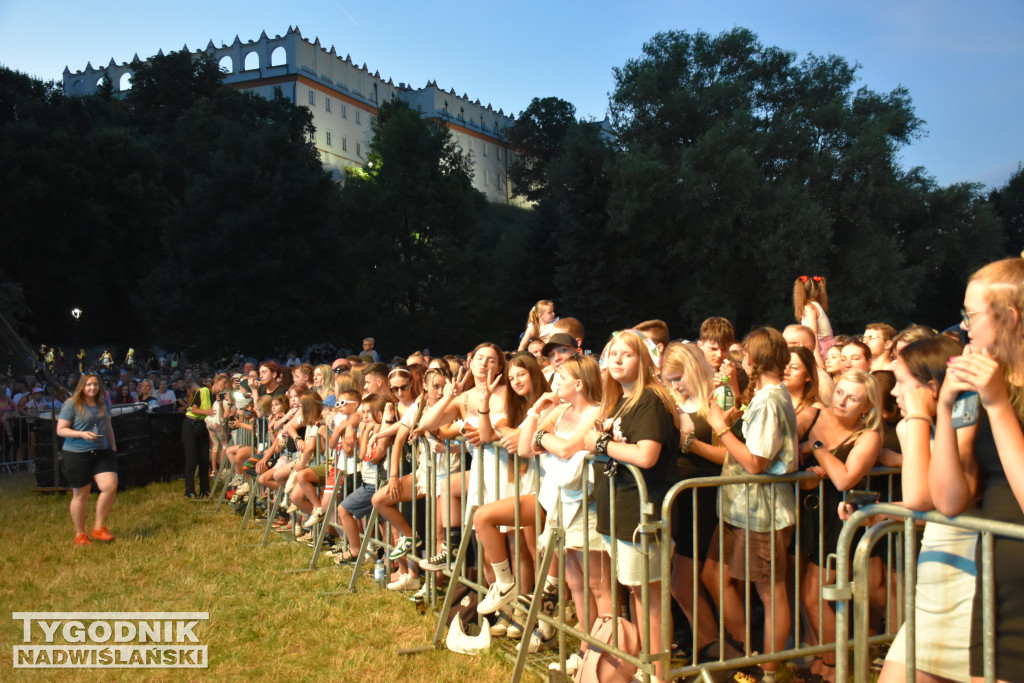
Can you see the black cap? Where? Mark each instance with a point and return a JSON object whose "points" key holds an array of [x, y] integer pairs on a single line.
{"points": [[556, 340]]}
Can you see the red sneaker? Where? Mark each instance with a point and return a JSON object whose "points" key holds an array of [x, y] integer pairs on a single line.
{"points": [[82, 539], [102, 534]]}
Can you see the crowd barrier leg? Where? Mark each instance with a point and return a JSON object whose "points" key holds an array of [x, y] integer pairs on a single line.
{"points": [[322, 527], [271, 515], [910, 579], [557, 538], [861, 604], [368, 532], [219, 482], [250, 505], [988, 612]]}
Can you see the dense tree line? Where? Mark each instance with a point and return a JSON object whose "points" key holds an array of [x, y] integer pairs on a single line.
{"points": [[191, 215], [736, 167]]}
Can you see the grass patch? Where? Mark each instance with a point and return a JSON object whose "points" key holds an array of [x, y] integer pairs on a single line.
{"points": [[175, 556]]}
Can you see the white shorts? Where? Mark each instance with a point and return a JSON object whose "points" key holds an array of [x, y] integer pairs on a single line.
{"points": [[629, 561]]}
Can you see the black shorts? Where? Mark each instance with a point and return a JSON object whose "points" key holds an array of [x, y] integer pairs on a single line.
{"points": [[79, 468]]}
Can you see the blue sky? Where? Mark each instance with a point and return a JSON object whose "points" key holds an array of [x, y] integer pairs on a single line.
{"points": [[963, 62]]}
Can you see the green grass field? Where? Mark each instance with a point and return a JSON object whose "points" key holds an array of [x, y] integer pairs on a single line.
{"points": [[175, 556]]}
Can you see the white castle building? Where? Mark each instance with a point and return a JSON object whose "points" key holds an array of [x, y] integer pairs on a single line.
{"points": [[343, 98]]}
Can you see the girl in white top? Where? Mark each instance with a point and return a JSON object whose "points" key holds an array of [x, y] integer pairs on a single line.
{"points": [[554, 431], [465, 398], [493, 519], [540, 324], [810, 307]]}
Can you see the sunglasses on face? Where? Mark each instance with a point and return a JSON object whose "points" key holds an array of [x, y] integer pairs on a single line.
{"points": [[399, 387]]}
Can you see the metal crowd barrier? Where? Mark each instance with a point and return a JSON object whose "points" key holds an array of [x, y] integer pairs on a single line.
{"points": [[458, 573], [16, 445], [846, 590]]}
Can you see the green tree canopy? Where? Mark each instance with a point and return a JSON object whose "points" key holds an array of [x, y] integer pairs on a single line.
{"points": [[415, 212]]}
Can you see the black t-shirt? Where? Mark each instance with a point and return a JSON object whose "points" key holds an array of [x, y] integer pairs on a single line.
{"points": [[649, 420], [690, 464], [261, 391]]}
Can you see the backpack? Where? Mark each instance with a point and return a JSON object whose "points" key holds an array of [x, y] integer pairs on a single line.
{"points": [[465, 602], [599, 666]]}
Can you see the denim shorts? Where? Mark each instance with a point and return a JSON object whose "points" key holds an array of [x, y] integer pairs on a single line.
{"points": [[359, 502]]}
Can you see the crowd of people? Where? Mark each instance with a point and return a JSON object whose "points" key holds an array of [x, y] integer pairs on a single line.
{"points": [[774, 403]]}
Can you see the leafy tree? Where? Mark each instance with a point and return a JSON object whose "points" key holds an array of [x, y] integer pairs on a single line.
{"points": [[166, 86], [417, 213], [744, 167], [537, 136], [247, 191], [1008, 204]]}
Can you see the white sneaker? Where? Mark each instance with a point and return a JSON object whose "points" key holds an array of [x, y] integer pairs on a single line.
{"points": [[242, 488], [542, 638], [515, 625], [238, 480], [314, 518], [497, 597], [405, 582], [291, 509], [420, 596], [572, 662], [500, 627], [306, 537], [290, 484]]}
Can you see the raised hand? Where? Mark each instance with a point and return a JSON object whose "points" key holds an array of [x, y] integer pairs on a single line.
{"points": [[979, 372], [546, 400]]}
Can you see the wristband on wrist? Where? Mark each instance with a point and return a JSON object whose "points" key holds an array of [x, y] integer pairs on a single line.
{"points": [[718, 434], [687, 442], [918, 416], [601, 447], [484, 412], [537, 439]]}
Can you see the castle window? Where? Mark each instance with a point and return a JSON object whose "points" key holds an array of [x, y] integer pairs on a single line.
{"points": [[312, 97], [328, 138], [344, 144], [252, 61], [226, 64], [327, 103], [344, 111], [359, 149], [278, 57], [357, 116]]}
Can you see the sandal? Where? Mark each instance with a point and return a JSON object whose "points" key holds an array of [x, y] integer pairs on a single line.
{"points": [[347, 557]]}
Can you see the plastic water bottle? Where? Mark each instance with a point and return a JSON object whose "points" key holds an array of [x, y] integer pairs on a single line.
{"points": [[379, 574], [724, 396]]}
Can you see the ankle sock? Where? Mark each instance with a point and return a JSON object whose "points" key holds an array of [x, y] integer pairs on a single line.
{"points": [[503, 573]]}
